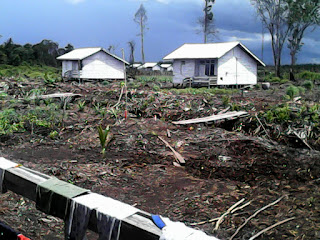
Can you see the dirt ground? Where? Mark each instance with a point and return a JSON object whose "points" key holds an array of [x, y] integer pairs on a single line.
{"points": [[224, 164]]}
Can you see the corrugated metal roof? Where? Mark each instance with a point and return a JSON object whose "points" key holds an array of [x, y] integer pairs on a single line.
{"points": [[148, 65], [206, 50], [165, 65], [82, 53]]}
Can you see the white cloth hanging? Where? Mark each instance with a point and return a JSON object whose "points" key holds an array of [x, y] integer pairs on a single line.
{"points": [[179, 231]]}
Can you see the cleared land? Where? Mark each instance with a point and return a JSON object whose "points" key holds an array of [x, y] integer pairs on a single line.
{"points": [[261, 157]]}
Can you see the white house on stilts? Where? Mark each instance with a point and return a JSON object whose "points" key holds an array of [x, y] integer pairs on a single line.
{"points": [[228, 63], [92, 63]]}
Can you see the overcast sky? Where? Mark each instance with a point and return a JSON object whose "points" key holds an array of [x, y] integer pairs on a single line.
{"points": [[92, 23]]}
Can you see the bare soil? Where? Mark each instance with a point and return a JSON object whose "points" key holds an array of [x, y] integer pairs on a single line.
{"points": [[223, 164]]}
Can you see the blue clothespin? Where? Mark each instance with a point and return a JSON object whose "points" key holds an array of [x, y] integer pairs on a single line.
{"points": [[158, 221]]}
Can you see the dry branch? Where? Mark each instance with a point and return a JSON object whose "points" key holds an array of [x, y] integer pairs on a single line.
{"points": [[253, 215], [227, 212], [270, 227], [203, 222]]}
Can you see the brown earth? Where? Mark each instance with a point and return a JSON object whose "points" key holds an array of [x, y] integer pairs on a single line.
{"points": [[223, 164]]}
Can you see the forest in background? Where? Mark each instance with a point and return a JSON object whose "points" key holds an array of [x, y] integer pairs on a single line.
{"points": [[42, 53]]}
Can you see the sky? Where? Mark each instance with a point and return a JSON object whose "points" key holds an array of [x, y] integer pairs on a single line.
{"points": [[171, 23]]}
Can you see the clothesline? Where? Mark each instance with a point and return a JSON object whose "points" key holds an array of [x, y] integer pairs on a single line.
{"points": [[81, 209]]}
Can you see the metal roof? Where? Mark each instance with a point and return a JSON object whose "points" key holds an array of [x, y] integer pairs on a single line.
{"points": [[82, 53], [207, 50], [165, 65], [148, 65]]}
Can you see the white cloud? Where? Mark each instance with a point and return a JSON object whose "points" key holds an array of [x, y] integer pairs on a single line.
{"points": [[75, 1]]}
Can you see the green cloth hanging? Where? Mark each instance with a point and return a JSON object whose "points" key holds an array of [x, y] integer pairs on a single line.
{"points": [[54, 195]]}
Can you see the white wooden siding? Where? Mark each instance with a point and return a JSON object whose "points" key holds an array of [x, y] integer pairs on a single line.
{"points": [[66, 66], [182, 71], [102, 66], [237, 67]]}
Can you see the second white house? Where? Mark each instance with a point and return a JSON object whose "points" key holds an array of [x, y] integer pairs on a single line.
{"points": [[227, 63]]}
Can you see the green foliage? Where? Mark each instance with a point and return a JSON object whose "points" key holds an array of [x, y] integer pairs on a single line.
{"points": [[3, 95], [279, 114], [103, 136], [292, 91], [307, 75], [308, 84], [12, 120], [34, 72], [81, 105], [54, 135], [273, 79], [156, 88], [43, 53], [225, 100], [154, 79]]}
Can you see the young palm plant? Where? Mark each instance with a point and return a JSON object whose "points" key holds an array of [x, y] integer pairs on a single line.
{"points": [[103, 137]]}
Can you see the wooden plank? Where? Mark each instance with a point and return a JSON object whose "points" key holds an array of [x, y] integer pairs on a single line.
{"points": [[177, 155], [24, 181], [212, 118], [56, 95]]}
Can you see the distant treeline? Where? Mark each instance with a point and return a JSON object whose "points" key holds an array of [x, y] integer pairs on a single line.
{"points": [[43, 53]]}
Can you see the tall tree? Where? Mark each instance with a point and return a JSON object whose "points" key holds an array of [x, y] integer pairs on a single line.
{"points": [[69, 48], [274, 15], [141, 19], [206, 22], [303, 15], [132, 47]]}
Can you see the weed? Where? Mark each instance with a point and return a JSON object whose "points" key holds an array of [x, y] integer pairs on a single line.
{"points": [[54, 135], [81, 105]]}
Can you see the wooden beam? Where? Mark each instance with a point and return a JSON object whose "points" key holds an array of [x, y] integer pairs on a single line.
{"points": [[227, 115], [24, 181]]}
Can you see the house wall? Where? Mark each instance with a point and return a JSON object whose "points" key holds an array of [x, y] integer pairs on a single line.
{"points": [[66, 66], [237, 67], [181, 72], [156, 68], [102, 66]]}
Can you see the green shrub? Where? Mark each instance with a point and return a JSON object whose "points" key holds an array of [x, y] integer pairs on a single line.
{"points": [[54, 135], [308, 84], [225, 100], [292, 91], [307, 75], [156, 88]]}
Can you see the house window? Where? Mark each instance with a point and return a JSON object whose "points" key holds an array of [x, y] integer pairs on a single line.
{"points": [[209, 67], [183, 62]]}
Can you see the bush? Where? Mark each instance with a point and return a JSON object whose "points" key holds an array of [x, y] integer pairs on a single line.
{"points": [[308, 84], [307, 75], [292, 91]]}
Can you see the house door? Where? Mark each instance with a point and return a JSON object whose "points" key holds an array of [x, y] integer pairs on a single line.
{"points": [[74, 65], [202, 69]]}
